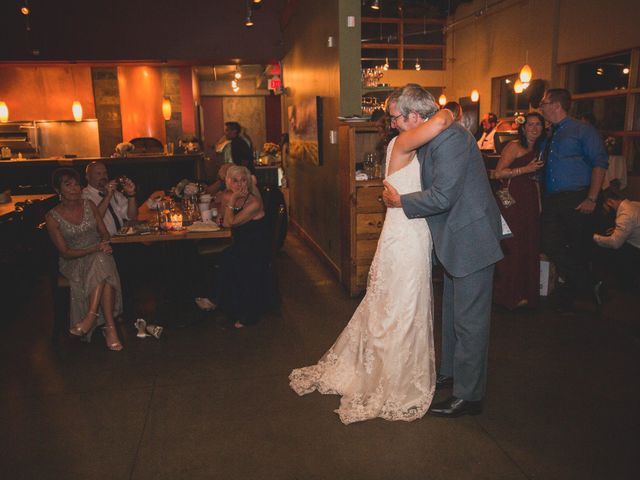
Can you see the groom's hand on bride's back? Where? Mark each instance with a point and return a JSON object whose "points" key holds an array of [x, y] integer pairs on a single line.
{"points": [[390, 196]]}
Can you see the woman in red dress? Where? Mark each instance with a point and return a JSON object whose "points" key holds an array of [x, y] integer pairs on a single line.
{"points": [[517, 276]]}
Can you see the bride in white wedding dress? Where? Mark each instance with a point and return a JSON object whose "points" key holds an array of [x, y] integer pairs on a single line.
{"points": [[383, 364]]}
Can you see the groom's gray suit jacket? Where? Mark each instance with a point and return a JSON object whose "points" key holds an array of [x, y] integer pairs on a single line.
{"points": [[457, 203]]}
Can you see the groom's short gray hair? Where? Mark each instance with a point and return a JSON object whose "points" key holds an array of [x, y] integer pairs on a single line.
{"points": [[413, 98]]}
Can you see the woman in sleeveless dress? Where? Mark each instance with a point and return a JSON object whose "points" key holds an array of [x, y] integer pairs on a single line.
{"points": [[77, 231], [383, 364], [517, 276], [244, 285]]}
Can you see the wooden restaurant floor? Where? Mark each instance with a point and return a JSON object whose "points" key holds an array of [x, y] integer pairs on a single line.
{"points": [[209, 401]]}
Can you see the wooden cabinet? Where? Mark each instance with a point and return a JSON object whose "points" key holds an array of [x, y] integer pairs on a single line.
{"points": [[361, 208]]}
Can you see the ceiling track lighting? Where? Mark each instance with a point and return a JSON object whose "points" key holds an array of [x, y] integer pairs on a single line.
{"points": [[248, 21], [418, 66], [385, 67], [375, 5]]}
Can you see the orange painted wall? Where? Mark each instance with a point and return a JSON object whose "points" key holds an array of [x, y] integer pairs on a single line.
{"points": [[47, 92], [141, 102]]}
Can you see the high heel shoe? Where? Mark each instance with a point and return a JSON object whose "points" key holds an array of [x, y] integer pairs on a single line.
{"points": [[113, 346], [78, 331]]}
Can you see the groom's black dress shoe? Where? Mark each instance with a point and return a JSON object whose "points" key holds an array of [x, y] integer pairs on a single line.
{"points": [[442, 381], [455, 407]]}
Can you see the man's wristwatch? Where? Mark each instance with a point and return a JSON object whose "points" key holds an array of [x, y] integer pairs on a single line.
{"points": [[592, 200]]}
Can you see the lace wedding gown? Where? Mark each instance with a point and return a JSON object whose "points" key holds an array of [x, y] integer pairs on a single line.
{"points": [[383, 364]]}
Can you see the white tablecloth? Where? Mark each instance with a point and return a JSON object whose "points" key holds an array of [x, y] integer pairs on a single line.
{"points": [[617, 170]]}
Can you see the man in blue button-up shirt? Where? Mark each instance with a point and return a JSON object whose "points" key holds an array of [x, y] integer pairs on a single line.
{"points": [[576, 162]]}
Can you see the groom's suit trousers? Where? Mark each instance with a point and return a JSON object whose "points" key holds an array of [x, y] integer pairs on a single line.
{"points": [[466, 311]]}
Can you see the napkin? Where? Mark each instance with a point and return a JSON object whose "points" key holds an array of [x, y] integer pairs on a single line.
{"points": [[203, 227]]}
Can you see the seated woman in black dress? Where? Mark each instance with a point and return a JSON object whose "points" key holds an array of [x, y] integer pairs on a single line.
{"points": [[244, 285]]}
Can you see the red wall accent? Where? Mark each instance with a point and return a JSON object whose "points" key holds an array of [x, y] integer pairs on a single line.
{"points": [[187, 101], [141, 97], [46, 93], [213, 119], [273, 118]]}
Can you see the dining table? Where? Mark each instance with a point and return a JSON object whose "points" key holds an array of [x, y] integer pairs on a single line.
{"points": [[198, 231], [177, 267], [7, 209]]}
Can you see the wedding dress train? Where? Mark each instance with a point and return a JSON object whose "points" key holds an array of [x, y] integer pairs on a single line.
{"points": [[383, 364]]}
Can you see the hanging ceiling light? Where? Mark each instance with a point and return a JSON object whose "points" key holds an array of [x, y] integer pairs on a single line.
{"points": [[237, 74], [475, 95], [526, 73], [375, 5], [166, 108], [625, 70], [442, 99], [418, 66], [256, 2], [248, 22], [385, 67], [76, 109], [4, 113], [518, 86]]}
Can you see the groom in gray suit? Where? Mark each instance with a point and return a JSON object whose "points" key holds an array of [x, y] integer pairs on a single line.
{"points": [[466, 228]]}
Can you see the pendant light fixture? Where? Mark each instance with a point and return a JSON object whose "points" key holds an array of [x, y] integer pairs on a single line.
{"points": [[442, 99], [525, 74], [4, 112], [385, 67], [518, 86], [166, 108], [418, 66], [375, 5], [475, 95], [76, 109], [237, 74]]}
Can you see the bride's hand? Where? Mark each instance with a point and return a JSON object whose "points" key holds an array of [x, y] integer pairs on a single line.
{"points": [[390, 196]]}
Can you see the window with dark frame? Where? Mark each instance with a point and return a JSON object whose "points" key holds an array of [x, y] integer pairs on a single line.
{"points": [[603, 93]]}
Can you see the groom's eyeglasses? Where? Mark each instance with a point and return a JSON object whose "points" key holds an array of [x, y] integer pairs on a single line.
{"points": [[394, 118]]}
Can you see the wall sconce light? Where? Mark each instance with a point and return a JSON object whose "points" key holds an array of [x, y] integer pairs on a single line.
{"points": [[418, 66], [4, 112], [76, 109], [475, 95], [526, 73], [166, 108], [442, 99], [375, 5]]}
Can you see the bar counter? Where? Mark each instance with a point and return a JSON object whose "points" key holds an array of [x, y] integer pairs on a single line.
{"points": [[149, 172]]}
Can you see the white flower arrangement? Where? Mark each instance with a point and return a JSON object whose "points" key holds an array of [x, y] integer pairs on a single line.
{"points": [[520, 120], [185, 188]]}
